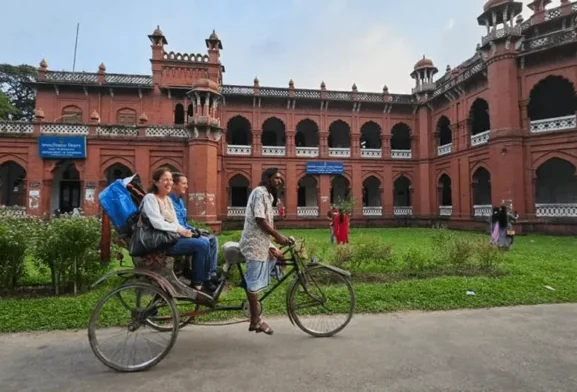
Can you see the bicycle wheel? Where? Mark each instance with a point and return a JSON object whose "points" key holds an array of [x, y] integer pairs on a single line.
{"points": [[321, 297], [125, 318], [160, 321]]}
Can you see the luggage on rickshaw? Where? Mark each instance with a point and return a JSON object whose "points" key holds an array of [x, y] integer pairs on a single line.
{"points": [[120, 201]]}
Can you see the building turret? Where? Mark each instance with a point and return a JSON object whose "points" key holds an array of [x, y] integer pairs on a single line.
{"points": [[423, 73], [499, 18], [206, 133], [158, 41]]}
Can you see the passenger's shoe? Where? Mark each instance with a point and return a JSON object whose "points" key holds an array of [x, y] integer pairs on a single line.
{"points": [[210, 286]]}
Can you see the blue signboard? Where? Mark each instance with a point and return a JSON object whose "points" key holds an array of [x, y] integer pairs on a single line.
{"points": [[72, 147], [325, 168]]}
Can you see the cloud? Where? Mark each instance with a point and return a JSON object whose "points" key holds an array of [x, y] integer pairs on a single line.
{"points": [[451, 24]]}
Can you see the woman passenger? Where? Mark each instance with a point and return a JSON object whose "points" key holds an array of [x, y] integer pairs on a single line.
{"points": [[160, 211]]}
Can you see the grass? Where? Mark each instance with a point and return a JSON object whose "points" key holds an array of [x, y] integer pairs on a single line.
{"points": [[533, 263]]}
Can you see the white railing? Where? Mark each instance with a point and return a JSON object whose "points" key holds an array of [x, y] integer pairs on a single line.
{"points": [[403, 211], [273, 151], [340, 152], [238, 150], [117, 130], [16, 127], [371, 153], [177, 131], [12, 212], [480, 138], [445, 149], [445, 210], [311, 152], [236, 211], [553, 124], [556, 210], [307, 211], [64, 129], [482, 210], [372, 211], [401, 154]]}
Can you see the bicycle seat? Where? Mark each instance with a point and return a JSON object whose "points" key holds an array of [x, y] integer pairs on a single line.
{"points": [[232, 254]]}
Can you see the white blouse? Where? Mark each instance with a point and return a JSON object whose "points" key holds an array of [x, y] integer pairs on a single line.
{"points": [[151, 207]]}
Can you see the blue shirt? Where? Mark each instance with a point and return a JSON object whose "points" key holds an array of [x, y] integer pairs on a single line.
{"points": [[180, 211]]}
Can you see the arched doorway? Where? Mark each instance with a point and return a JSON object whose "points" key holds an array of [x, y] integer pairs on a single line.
{"points": [[12, 184], [445, 196], [556, 189], [238, 192], [339, 139], [481, 192], [401, 141], [307, 138], [117, 171], [402, 196], [480, 121], [273, 137], [552, 105], [307, 196], [371, 140], [340, 189], [65, 190], [179, 114], [372, 204], [238, 136], [445, 137]]}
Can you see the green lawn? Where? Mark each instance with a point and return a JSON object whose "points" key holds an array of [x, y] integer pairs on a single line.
{"points": [[533, 263]]}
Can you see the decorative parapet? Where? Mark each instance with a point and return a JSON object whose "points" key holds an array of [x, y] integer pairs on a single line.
{"points": [[554, 124], [549, 40], [167, 132], [16, 127], [63, 129], [116, 130]]}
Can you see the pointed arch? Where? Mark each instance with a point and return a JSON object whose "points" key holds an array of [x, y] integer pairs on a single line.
{"points": [[71, 114], [551, 97], [479, 165], [556, 182], [479, 117], [273, 132], [126, 116], [401, 136], [555, 154], [372, 191], [238, 190], [403, 174], [371, 135], [118, 160], [13, 183], [241, 173], [239, 131], [339, 134], [444, 131], [15, 158], [169, 163], [179, 117], [307, 133]]}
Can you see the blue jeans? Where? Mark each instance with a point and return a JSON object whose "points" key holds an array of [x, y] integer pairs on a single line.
{"points": [[198, 249], [212, 255]]}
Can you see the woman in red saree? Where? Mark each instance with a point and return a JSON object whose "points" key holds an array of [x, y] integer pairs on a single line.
{"points": [[341, 227]]}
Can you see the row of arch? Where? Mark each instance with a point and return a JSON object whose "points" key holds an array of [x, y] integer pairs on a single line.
{"points": [[556, 182], [73, 115], [239, 133]]}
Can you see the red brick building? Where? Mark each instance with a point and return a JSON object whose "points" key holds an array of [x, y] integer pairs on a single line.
{"points": [[499, 127]]}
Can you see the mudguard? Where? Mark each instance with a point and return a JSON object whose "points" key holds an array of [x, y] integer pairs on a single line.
{"points": [[125, 273]]}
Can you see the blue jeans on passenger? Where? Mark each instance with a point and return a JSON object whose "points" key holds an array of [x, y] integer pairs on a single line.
{"points": [[198, 249], [213, 255]]}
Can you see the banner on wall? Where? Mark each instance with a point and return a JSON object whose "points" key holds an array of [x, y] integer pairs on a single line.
{"points": [[59, 147], [333, 168]]}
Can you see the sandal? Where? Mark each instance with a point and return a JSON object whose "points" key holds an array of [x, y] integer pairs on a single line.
{"points": [[259, 327]]}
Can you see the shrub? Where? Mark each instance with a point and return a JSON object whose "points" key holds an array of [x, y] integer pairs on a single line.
{"points": [[343, 255], [69, 248], [369, 252], [14, 241], [488, 258], [416, 261]]}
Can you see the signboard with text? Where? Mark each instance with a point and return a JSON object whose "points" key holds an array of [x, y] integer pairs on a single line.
{"points": [[58, 147], [333, 168]]}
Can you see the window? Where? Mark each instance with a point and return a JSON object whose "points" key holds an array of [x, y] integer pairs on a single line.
{"points": [[71, 115], [126, 117]]}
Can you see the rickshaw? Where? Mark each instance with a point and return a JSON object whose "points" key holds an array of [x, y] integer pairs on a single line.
{"points": [[151, 298]]}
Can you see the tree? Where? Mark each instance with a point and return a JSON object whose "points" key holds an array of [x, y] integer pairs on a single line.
{"points": [[6, 107], [16, 84]]}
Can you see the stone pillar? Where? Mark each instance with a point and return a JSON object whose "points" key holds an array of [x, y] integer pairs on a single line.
{"points": [[355, 146], [323, 145], [202, 197], [256, 143], [357, 189], [388, 190], [422, 204], [290, 144], [325, 194], [386, 146], [291, 190]]}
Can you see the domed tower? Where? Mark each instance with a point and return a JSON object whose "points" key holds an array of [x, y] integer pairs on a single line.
{"points": [[423, 73], [204, 125], [499, 49]]}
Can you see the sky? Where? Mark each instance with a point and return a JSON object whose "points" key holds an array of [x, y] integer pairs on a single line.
{"points": [[372, 43]]}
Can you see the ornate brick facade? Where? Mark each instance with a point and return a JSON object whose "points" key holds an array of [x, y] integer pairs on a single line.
{"points": [[498, 128]]}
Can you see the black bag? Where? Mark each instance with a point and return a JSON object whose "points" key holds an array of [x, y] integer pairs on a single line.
{"points": [[146, 239]]}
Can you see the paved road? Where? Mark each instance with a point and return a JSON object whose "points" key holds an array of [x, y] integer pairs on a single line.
{"points": [[507, 349]]}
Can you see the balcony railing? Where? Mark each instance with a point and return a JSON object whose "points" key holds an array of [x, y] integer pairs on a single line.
{"points": [[16, 127], [307, 152], [273, 151], [554, 124], [445, 210], [401, 154], [340, 152], [308, 211], [12, 212], [371, 153], [556, 210], [445, 149], [403, 211], [238, 150], [64, 129], [482, 210], [480, 138], [372, 211], [236, 211]]}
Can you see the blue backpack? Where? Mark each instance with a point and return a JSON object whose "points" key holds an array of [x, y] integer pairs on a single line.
{"points": [[117, 203]]}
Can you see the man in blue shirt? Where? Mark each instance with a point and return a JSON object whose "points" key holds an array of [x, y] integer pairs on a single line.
{"points": [[179, 189]]}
